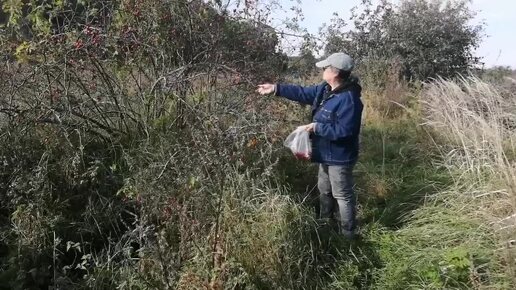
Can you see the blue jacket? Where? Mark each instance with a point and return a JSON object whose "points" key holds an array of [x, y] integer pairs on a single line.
{"points": [[337, 116]]}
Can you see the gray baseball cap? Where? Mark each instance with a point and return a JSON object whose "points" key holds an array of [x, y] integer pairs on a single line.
{"points": [[338, 60]]}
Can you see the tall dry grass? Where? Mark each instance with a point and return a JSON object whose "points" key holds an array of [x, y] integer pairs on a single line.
{"points": [[477, 122]]}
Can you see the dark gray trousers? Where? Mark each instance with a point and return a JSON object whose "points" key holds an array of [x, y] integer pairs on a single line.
{"points": [[335, 185]]}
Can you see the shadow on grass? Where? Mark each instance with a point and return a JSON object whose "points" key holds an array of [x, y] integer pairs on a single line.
{"points": [[396, 172], [394, 175], [333, 255]]}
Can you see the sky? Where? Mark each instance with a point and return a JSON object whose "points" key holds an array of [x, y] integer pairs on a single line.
{"points": [[498, 47]]}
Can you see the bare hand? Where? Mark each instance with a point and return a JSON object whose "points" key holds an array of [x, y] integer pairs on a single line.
{"points": [[309, 128], [266, 89]]}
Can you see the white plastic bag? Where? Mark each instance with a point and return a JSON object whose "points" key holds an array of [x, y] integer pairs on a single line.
{"points": [[299, 143]]}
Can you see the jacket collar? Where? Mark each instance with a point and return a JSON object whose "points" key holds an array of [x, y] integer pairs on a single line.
{"points": [[351, 84]]}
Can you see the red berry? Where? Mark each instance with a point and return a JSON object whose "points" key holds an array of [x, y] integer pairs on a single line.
{"points": [[302, 155], [78, 44]]}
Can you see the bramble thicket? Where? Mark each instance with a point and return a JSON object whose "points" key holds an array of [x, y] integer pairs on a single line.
{"points": [[135, 154]]}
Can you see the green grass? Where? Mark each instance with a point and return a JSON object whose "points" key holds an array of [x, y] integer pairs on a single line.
{"points": [[417, 230], [396, 171]]}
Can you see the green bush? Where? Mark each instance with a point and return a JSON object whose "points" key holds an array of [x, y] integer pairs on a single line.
{"points": [[428, 38]]}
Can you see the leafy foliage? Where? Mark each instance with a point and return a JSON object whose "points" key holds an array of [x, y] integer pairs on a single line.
{"points": [[428, 38], [134, 155]]}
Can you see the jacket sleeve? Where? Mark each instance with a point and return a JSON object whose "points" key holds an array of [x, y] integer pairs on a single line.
{"points": [[304, 95], [346, 124]]}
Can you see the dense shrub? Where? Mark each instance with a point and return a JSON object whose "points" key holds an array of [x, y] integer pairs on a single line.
{"points": [[428, 38]]}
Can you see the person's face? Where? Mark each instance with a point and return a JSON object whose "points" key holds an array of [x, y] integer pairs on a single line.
{"points": [[330, 74]]}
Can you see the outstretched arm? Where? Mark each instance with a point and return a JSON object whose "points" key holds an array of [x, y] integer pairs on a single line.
{"points": [[304, 95]]}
